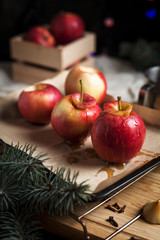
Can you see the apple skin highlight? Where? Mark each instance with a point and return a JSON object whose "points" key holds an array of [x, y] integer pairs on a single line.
{"points": [[40, 35], [116, 138], [72, 123], [36, 103], [94, 82]]}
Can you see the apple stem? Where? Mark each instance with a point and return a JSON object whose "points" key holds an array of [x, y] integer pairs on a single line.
{"points": [[119, 103], [81, 99]]}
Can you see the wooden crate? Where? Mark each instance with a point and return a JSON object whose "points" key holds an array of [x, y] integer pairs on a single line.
{"points": [[30, 74], [58, 57]]}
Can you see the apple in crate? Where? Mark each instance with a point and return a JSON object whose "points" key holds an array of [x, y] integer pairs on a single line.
{"points": [[73, 116], [118, 133], [94, 82], [67, 27], [40, 35], [35, 103]]}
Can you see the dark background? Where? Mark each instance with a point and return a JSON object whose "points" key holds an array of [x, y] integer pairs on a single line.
{"points": [[131, 23]]}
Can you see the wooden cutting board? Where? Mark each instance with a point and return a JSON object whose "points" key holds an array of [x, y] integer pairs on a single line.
{"points": [[13, 128], [134, 197]]}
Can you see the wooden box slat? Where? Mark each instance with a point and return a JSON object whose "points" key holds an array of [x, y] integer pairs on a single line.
{"points": [[58, 57], [30, 74]]}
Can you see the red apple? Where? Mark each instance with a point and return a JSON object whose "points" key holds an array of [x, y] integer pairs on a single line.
{"points": [[67, 27], [40, 35], [118, 133], [94, 82], [36, 102], [73, 116]]}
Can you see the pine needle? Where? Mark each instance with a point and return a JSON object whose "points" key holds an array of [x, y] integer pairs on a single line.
{"points": [[8, 192], [56, 195], [15, 226], [19, 162], [27, 186]]}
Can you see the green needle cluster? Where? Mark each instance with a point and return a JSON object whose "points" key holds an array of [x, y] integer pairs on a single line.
{"points": [[28, 188]]}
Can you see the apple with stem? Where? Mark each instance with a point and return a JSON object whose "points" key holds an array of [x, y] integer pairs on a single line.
{"points": [[35, 103], [40, 35], [67, 27], [118, 133], [73, 116], [93, 80]]}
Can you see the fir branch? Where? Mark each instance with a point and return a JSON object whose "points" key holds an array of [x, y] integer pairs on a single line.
{"points": [[35, 191], [56, 195], [20, 153], [19, 226], [20, 163], [8, 192]]}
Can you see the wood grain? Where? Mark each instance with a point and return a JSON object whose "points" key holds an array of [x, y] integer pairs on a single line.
{"points": [[134, 197]]}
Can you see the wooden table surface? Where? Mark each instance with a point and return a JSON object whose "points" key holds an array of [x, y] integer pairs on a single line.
{"points": [[134, 197]]}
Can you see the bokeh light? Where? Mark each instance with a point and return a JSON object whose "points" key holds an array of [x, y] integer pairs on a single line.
{"points": [[151, 13], [109, 22]]}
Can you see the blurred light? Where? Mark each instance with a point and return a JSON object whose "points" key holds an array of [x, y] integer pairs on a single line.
{"points": [[151, 0], [109, 22], [91, 54], [151, 13]]}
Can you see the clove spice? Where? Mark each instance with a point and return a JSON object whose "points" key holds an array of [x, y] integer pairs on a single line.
{"points": [[134, 238], [112, 221], [111, 208], [116, 208], [121, 210]]}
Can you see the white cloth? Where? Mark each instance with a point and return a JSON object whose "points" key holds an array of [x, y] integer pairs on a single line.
{"points": [[122, 79], [7, 84]]}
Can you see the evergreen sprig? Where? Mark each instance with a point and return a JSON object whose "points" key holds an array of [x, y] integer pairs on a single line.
{"points": [[27, 186], [56, 194], [8, 192], [19, 226], [19, 162]]}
